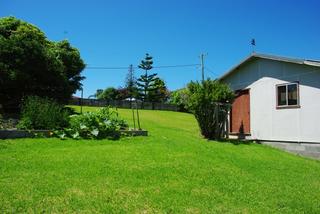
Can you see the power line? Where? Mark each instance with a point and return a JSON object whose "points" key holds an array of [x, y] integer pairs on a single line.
{"points": [[107, 68], [175, 66], [125, 68], [215, 74]]}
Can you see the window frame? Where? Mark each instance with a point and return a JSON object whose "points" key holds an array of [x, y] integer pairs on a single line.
{"points": [[287, 99]]}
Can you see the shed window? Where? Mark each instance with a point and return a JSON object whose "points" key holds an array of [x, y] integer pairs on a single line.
{"points": [[288, 95]]}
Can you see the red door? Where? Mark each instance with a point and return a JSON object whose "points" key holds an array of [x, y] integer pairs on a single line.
{"points": [[240, 113]]}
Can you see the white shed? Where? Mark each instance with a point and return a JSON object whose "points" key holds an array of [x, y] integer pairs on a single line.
{"points": [[278, 99]]}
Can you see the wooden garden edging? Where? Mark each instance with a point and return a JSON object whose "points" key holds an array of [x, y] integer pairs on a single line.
{"points": [[12, 134]]}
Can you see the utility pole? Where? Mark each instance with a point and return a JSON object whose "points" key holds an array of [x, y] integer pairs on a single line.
{"points": [[65, 35], [130, 81], [202, 66]]}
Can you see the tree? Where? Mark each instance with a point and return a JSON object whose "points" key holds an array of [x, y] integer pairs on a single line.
{"points": [[122, 94], [98, 93], [109, 94], [180, 98], [72, 64], [210, 101], [30, 64], [160, 93], [131, 84], [146, 82]]}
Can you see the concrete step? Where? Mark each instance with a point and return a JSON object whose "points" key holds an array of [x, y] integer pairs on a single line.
{"points": [[304, 149], [315, 155]]}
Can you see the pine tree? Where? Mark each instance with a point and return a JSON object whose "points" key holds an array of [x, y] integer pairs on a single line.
{"points": [[146, 82], [131, 83]]}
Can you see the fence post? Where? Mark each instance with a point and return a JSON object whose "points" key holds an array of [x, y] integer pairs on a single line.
{"points": [[216, 112], [227, 122], [134, 120]]}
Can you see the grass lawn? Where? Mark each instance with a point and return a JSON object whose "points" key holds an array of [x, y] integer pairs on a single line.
{"points": [[173, 170]]}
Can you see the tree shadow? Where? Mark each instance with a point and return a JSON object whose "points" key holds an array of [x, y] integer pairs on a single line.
{"points": [[236, 141]]}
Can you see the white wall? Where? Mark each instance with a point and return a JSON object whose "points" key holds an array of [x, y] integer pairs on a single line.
{"points": [[269, 123]]}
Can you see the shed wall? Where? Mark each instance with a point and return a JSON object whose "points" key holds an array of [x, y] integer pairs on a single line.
{"points": [[269, 123]]}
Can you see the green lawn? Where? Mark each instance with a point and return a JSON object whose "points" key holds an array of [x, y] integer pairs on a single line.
{"points": [[173, 170]]}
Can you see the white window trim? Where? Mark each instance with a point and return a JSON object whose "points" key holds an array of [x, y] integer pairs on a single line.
{"points": [[287, 98]]}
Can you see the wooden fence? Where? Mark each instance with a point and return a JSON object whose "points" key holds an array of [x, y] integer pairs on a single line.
{"points": [[123, 104], [221, 121]]}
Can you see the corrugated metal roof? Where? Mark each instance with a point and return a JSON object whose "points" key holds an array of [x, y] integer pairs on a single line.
{"points": [[273, 57]]}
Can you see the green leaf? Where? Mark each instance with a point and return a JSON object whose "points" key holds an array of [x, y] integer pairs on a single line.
{"points": [[95, 132]]}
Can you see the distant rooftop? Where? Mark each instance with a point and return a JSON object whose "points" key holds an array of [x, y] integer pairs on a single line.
{"points": [[310, 62]]}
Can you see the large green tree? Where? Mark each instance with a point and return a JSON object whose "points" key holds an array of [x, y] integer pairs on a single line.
{"points": [[30, 64], [146, 82]]}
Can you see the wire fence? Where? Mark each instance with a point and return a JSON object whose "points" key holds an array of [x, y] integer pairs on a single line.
{"points": [[123, 104]]}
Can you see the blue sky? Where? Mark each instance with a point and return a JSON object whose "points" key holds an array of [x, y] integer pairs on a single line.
{"points": [[120, 32]]}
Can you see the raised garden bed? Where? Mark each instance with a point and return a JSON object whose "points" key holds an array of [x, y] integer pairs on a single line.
{"points": [[134, 132], [12, 134]]}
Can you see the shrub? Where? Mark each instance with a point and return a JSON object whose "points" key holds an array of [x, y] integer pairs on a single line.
{"points": [[100, 124], [42, 113], [208, 101]]}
